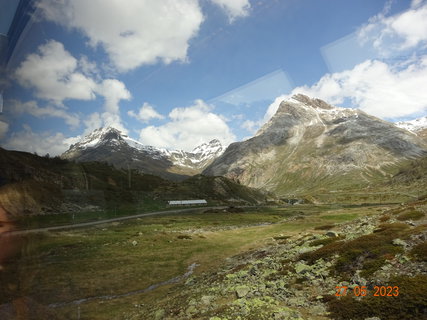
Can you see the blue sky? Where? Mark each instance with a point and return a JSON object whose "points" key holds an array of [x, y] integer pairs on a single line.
{"points": [[177, 73]]}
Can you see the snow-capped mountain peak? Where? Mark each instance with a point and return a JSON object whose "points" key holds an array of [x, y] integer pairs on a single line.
{"points": [[97, 136], [199, 157], [413, 125], [110, 143], [213, 146], [310, 111]]}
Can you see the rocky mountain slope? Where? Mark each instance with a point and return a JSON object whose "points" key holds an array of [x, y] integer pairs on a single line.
{"points": [[417, 126], [373, 267], [111, 146], [310, 145]]}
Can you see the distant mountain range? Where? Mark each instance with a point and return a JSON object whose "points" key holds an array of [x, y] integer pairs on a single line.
{"points": [[311, 145], [112, 146], [308, 145]]}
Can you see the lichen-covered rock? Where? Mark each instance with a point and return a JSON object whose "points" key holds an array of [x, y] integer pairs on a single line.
{"points": [[399, 242], [159, 314], [242, 291], [207, 300], [301, 268]]}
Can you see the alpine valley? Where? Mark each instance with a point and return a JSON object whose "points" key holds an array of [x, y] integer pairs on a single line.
{"points": [[309, 151], [321, 199]]}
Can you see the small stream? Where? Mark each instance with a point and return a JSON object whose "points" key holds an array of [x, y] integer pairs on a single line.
{"points": [[176, 279]]}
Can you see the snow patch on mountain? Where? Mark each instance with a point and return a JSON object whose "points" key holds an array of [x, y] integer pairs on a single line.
{"points": [[199, 157]]}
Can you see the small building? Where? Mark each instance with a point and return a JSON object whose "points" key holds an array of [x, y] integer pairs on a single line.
{"points": [[187, 202]]}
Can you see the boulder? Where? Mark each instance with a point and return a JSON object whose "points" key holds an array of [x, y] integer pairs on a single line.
{"points": [[301, 268], [242, 291], [332, 234], [399, 242], [159, 314]]}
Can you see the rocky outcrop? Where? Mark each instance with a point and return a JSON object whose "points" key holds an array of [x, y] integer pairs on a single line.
{"points": [[296, 277]]}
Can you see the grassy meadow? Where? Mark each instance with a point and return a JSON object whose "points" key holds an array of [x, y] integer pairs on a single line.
{"points": [[122, 257]]}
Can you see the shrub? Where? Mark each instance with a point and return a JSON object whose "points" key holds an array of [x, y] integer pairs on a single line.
{"points": [[367, 253], [410, 304], [411, 215], [419, 252], [324, 227], [184, 237], [384, 218]]}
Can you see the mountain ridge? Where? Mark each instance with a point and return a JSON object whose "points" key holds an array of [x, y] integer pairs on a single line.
{"points": [[112, 146]]}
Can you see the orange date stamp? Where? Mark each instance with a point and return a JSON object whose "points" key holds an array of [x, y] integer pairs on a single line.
{"points": [[362, 291]]}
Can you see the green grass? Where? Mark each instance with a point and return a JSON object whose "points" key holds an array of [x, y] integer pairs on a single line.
{"points": [[411, 215], [50, 220]]}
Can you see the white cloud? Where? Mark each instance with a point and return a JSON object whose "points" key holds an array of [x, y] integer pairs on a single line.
{"points": [[31, 107], [135, 33], [375, 87], [416, 3], [42, 143], [234, 8], [411, 25], [398, 33], [251, 126], [113, 120], [4, 127], [389, 90], [62, 80], [113, 91], [272, 108], [88, 68], [52, 72], [145, 113], [97, 120], [188, 128], [92, 121]]}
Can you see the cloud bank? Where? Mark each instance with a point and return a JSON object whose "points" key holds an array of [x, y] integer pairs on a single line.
{"points": [[188, 127], [133, 34]]}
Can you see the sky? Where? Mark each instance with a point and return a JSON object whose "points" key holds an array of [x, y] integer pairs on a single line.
{"points": [[178, 73]]}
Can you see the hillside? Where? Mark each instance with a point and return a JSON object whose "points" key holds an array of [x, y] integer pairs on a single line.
{"points": [[35, 185]]}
